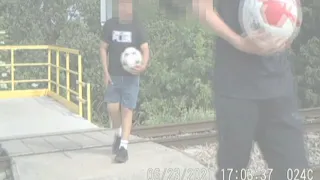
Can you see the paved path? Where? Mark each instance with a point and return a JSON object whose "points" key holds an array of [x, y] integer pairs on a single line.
{"points": [[21, 117]]}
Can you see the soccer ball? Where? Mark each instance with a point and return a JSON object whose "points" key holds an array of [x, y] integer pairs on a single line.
{"points": [[279, 18], [130, 58]]}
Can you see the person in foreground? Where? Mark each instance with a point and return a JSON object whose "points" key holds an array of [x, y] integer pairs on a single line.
{"points": [[254, 98], [122, 87]]}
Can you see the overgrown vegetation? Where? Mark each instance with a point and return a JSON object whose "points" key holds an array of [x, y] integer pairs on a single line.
{"points": [[177, 86]]}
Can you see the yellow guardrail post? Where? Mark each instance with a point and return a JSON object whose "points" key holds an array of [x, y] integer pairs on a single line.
{"points": [[49, 50], [89, 113], [58, 72], [80, 85], [12, 70], [68, 75], [49, 69]]}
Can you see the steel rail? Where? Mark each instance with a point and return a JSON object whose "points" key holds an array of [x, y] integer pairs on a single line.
{"points": [[196, 127], [207, 138], [187, 141], [152, 131], [180, 141], [310, 112], [149, 131], [174, 129], [177, 141], [201, 126], [160, 130]]}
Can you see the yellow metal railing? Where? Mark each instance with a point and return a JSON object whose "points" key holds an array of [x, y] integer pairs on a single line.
{"points": [[55, 68]]}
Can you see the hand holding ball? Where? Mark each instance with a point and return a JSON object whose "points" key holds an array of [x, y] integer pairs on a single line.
{"points": [[130, 59]]}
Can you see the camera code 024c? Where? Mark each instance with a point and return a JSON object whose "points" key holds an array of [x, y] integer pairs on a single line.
{"points": [[180, 174]]}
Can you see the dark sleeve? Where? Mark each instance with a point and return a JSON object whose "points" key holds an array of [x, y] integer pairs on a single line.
{"points": [[142, 34], [106, 34]]}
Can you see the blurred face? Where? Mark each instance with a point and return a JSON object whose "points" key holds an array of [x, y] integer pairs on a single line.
{"points": [[125, 9]]}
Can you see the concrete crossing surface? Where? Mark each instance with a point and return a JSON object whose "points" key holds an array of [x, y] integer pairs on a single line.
{"points": [[45, 141]]}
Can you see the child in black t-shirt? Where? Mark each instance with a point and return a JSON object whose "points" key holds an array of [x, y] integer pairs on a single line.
{"points": [[122, 87]]}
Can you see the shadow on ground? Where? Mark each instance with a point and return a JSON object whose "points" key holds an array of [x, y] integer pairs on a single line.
{"points": [[5, 165]]}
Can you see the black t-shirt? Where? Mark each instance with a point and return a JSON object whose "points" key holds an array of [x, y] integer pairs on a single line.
{"points": [[119, 36], [241, 75]]}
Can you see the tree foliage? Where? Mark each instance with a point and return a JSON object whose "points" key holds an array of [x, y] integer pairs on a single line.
{"points": [[176, 87], [306, 55]]}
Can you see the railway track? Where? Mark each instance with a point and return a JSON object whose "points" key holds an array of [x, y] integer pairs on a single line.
{"points": [[181, 136], [203, 126], [185, 136], [176, 135], [174, 129], [208, 137], [194, 128], [204, 132]]}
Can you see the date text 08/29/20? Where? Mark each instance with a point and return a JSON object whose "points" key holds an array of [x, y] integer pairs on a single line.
{"points": [[180, 173]]}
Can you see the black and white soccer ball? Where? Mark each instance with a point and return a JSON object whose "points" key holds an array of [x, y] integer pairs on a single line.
{"points": [[130, 58]]}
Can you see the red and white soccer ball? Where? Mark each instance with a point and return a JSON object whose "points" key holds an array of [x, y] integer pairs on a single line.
{"points": [[279, 18], [130, 58]]}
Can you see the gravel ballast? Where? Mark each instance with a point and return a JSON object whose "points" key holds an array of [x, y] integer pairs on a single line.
{"points": [[207, 154]]}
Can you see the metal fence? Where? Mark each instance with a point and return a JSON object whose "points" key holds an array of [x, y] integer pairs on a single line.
{"points": [[62, 82]]}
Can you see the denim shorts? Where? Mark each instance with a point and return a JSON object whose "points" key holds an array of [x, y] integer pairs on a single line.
{"points": [[124, 90]]}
